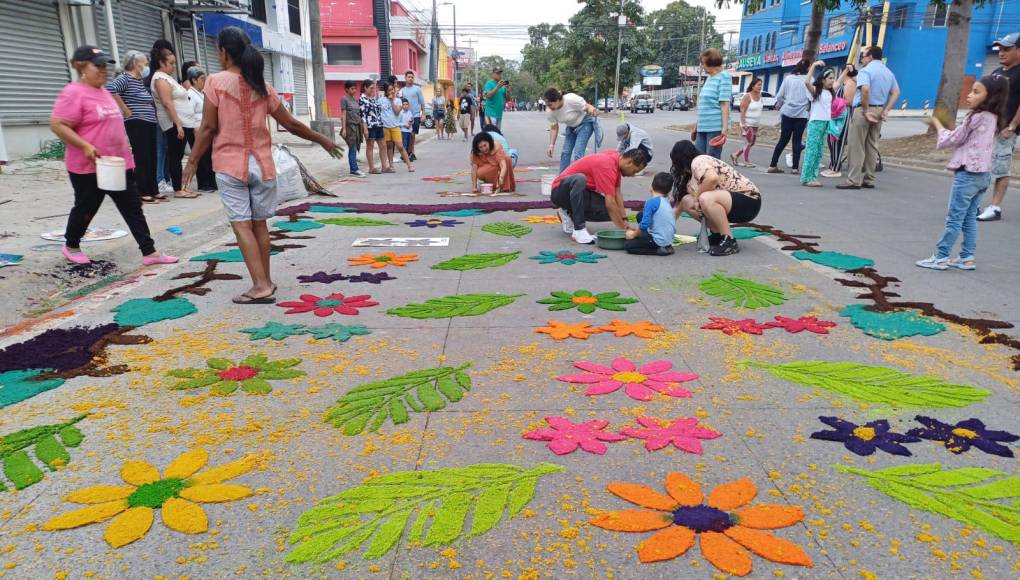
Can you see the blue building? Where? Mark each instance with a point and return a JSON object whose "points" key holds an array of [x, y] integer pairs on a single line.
{"points": [[912, 34]]}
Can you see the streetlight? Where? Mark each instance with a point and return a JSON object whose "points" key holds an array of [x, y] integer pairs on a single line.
{"points": [[456, 53]]}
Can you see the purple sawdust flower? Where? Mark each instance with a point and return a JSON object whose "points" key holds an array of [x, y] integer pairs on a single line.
{"points": [[965, 434], [864, 439], [371, 277], [432, 223], [321, 277]]}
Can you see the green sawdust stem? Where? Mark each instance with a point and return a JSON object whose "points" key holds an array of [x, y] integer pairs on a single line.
{"points": [[154, 495], [18, 466]]}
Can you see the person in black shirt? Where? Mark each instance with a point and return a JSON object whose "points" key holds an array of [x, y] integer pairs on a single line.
{"points": [[1002, 154], [467, 107]]}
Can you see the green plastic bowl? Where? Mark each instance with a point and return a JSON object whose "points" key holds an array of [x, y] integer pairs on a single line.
{"points": [[611, 239]]}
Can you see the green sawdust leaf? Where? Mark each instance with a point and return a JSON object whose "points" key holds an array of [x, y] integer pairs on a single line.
{"points": [[835, 260], [355, 221], [368, 406], [743, 293], [50, 443], [746, 233], [507, 229], [960, 494], [477, 261], [891, 325], [18, 386], [275, 331], [456, 305], [233, 255], [376, 512], [879, 385], [142, 311]]}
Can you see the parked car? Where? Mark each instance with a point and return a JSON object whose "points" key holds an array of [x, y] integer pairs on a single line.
{"points": [[606, 104], [642, 102], [768, 101], [677, 103]]}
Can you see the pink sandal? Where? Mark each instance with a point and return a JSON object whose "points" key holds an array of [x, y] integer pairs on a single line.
{"points": [[78, 257], [160, 259]]}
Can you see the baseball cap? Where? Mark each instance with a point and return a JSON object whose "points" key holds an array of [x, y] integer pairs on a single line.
{"points": [[92, 54], [1009, 41], [622, 130]]}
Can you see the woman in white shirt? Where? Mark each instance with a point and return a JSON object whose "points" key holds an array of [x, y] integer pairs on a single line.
{"points": [[579, 117], [750, 117], [176, 117], [205, 176], [822, 95]]}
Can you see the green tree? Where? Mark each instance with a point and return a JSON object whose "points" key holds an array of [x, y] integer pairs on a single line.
{"points": [[674, 37]]}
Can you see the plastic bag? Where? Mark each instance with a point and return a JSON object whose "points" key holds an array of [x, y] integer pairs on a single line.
{"points": [[288, 176], [703, 245]]}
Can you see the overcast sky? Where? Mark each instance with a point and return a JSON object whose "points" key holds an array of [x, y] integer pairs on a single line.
{"points": [[502, 28]]}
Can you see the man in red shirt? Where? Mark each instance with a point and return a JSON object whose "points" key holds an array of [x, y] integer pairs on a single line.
{"points": [[589, 190]]}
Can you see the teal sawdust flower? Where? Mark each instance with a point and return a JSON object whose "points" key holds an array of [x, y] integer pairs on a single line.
{"points": [[298, 225], [567, 258], [224, 377], [142, 311], [337, 332], [275, 331], [586, 302]]}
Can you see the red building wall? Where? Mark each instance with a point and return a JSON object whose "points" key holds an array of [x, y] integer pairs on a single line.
{"points": [[405, 57]]}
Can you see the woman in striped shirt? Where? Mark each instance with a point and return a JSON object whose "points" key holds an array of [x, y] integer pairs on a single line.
{"points": [[135, 102]]}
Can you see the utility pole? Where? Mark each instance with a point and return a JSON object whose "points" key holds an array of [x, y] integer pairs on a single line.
{"points": [[434, 47], [729, 44], [456, 53], [320, 115], [621, 21], [704, 19]]}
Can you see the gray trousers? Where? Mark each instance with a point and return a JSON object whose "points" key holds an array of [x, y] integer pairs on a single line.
{"points": [[582, 204], [862, 148]]}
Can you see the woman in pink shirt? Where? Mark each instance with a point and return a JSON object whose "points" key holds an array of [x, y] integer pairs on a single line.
{"points": [[88, 120], [238, 103]]}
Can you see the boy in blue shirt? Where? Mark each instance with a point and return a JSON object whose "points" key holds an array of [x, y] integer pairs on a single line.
{"points": [[406, 120], [658, 224]]}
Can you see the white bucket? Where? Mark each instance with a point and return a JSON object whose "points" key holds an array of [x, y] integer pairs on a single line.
{"points": [[111, 173], [485, 188], [547, 181]]}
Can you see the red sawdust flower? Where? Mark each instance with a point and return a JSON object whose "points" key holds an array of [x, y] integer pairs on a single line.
{"points": [[723, 522], [731, 327], [326, 306], [808, 323]]}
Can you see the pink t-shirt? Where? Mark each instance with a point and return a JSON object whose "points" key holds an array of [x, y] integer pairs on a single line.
{"points": [[97, 118]]}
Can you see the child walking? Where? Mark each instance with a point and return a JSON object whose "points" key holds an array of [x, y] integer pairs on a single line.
{"points": [[751, 106], [372, 125], [658, 224], [972, 162], [406, 123], [818, 121]]}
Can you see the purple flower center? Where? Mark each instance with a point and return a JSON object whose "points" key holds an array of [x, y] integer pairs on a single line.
{"points": [[702, 518]]}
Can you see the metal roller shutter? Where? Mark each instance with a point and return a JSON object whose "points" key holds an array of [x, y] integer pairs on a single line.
{"points": [[300, 88], [34, 61], [267, 70], [138, 25], [211, 53], [103, 32]]}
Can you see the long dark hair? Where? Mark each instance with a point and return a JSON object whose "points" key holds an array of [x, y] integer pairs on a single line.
{"points": [[483, 136], [160, 50], [682, 155], [819, 83], [754, 80], [238, 47], [801, 67], [995, 103]]}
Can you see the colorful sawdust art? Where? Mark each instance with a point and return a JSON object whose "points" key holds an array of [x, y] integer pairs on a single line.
{"points": [[567, 257], [804, 323], [508, 229], [18, 386], [355, 221], [275, 331], [563, 330], [48, 444], [328, 305], [728, 528], [433, 223], [329, 209], [321, 278], [142, 311], [877, 385], [638, 382], [477, 261], [565, 436], [377, 511], [836, 260], [541, 219], [586, 302], [640, 329], [891, 325], [371, 277], [684, 434], [367, 406], [233, 255], [177, 495], [224, 377], [865, 439], [961, 436], [440, 179], [456, 305], [460, 213], [337, 332], [298, 226], [746, 233], [732, 327], [383, 260], [970, 495], [743, 293]]}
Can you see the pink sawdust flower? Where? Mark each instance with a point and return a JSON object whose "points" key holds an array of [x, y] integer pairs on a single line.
{"points": [[326, 306], [640, 383], [566, 436], [685, 434]]}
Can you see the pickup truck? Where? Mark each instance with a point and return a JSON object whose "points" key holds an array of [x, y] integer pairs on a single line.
{"points": [[642, 102]]}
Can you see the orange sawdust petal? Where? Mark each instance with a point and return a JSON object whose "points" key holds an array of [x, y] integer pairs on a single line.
{"points": [[683, 489], [732, 495], [665, 545], [563, 330], [642, 495], [725, 554], [642, 329], [632, 521], [768, 517], [769, 547]]}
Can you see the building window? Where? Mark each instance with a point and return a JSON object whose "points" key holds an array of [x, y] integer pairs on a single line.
{"points": [[837, 26], [257, 10], [938, 19], [294, 15], [343, 54], [899, 18]]}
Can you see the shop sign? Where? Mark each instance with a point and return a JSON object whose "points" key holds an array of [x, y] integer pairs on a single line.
{"points": [[791, 57], [750, 61], [651, 70]]}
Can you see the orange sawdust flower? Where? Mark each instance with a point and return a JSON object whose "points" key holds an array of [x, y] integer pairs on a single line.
{"points": [[382, 260], [541, 219], [723, 522], [562, 330], [642, 328]]}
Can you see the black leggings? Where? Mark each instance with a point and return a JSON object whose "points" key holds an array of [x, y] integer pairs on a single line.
{"points": [[790, 127], [175, 153], [142, 136], [87, 199]]}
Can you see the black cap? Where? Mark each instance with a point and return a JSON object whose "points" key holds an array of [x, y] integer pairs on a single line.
{"points": [[91, 54], [497, 70]]}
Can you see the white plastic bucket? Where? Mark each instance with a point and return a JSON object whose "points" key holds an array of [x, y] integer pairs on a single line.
{"points": [[547, 181], [485, 188], [111, 173]]}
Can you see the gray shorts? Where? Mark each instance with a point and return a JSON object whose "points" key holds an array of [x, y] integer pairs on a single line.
{"points": [[251, 201], [1002, 157]]}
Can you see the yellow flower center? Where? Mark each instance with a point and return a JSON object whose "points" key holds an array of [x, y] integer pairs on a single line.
{"points": [[961, 432], [584, 300], [630, 377], [864, 433]]}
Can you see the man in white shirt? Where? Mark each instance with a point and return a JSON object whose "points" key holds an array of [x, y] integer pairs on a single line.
{"points": [[578, 116]]}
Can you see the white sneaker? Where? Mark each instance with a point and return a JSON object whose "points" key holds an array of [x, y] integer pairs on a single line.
{"points": [[359, 173], [568, 224], [582, 236], [991, 213], [165, 187], [830, 173]]}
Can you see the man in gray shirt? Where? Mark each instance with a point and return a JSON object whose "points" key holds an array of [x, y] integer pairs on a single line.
{"points": [[630, 137], [416, 99], [877, 92]]}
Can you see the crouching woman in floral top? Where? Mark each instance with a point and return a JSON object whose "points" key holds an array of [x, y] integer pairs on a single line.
{"points": [[706, 186]]}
